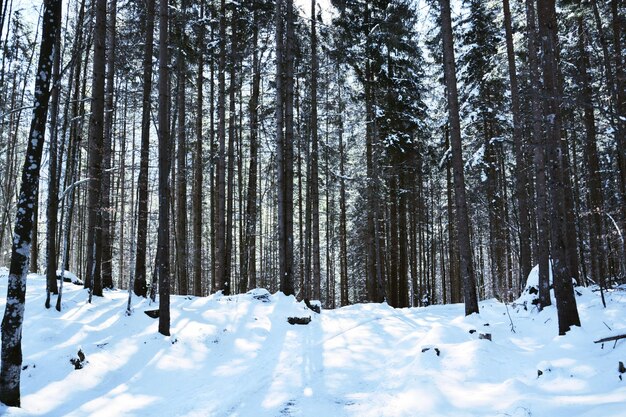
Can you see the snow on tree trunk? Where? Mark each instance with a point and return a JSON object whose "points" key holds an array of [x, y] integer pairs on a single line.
{"points": [[11, 360]]}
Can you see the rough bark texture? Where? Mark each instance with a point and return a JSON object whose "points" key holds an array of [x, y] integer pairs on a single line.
{"points": [[11, 357], [249, 268], [198, 170], [140, 282], [462, 219], [52, 209], [562, 275], [165, 148], [182, 247], [521, 177], [596, 199], [314, 161], [220, 232], [107, 223], [93, 279]]}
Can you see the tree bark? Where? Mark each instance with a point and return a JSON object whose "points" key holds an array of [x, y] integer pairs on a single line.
{"points": [[220, 232], [140, 281], [466, 268], [521, 178], [249, 268], [52, 209], [93, 279], [165, 148], [182, 247], [107, 224], [11, 357], [314, 161], [596, 199], [198, 168], [562, 275]]}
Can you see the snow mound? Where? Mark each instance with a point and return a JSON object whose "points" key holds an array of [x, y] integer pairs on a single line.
{"points": [[237, 356]]}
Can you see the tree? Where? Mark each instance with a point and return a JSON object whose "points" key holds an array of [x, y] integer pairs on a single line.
{"points": [[11, 358], [93, 280], [140, 283], [466, 267], [521, 170], [165, 148], [563, 287], [539, 156]]}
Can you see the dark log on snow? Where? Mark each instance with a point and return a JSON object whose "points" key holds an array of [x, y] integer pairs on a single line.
{"points": [[611, 338], [299, 320]]}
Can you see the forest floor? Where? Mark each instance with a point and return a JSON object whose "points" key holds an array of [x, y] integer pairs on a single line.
{"points": [[238, 357]]}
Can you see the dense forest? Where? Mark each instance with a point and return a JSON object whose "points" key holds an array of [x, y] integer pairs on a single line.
{"points": [[413, 152]]}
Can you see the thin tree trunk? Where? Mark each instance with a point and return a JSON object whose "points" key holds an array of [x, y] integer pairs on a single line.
{"points": [[198, 169], [314, 179], [52, 208], [249, 268], [140, 282], [165, 148], [220, 250], [107, 224], [182, 250], [520, 151], [596, 199]]}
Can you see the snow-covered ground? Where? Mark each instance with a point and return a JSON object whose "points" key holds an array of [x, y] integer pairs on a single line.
{"points": [[238, 356]]}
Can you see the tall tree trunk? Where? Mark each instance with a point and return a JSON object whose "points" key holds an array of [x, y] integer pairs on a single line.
{"points": [[249, 268], [11, 357], [107, 224], [539, 156], [230, 192], [198, 168], [140, 281], [521, 178], [314, 161], [52, 209], [620, 106], [93, 279], [462, 218], [165, 148], [220, 250], [287, 279], [596, 200], [343, 223], [562, 275], [182, 251]]}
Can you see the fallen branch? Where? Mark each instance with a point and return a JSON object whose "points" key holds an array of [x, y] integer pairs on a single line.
{"points": [[609, 339]]}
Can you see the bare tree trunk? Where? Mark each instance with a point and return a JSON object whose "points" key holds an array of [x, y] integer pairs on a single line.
{"points": [[140, 282], [230, 192], [198, 169], [165, 148], [287, 279], [596, 199], [93, 279], [314, 179], [343, 223], [220, 250], [52, 209], [539, 155], [563, 288], [107, 224], [520, 151], [11, 357], [462, 218], [249, 268], [182, 250]]}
